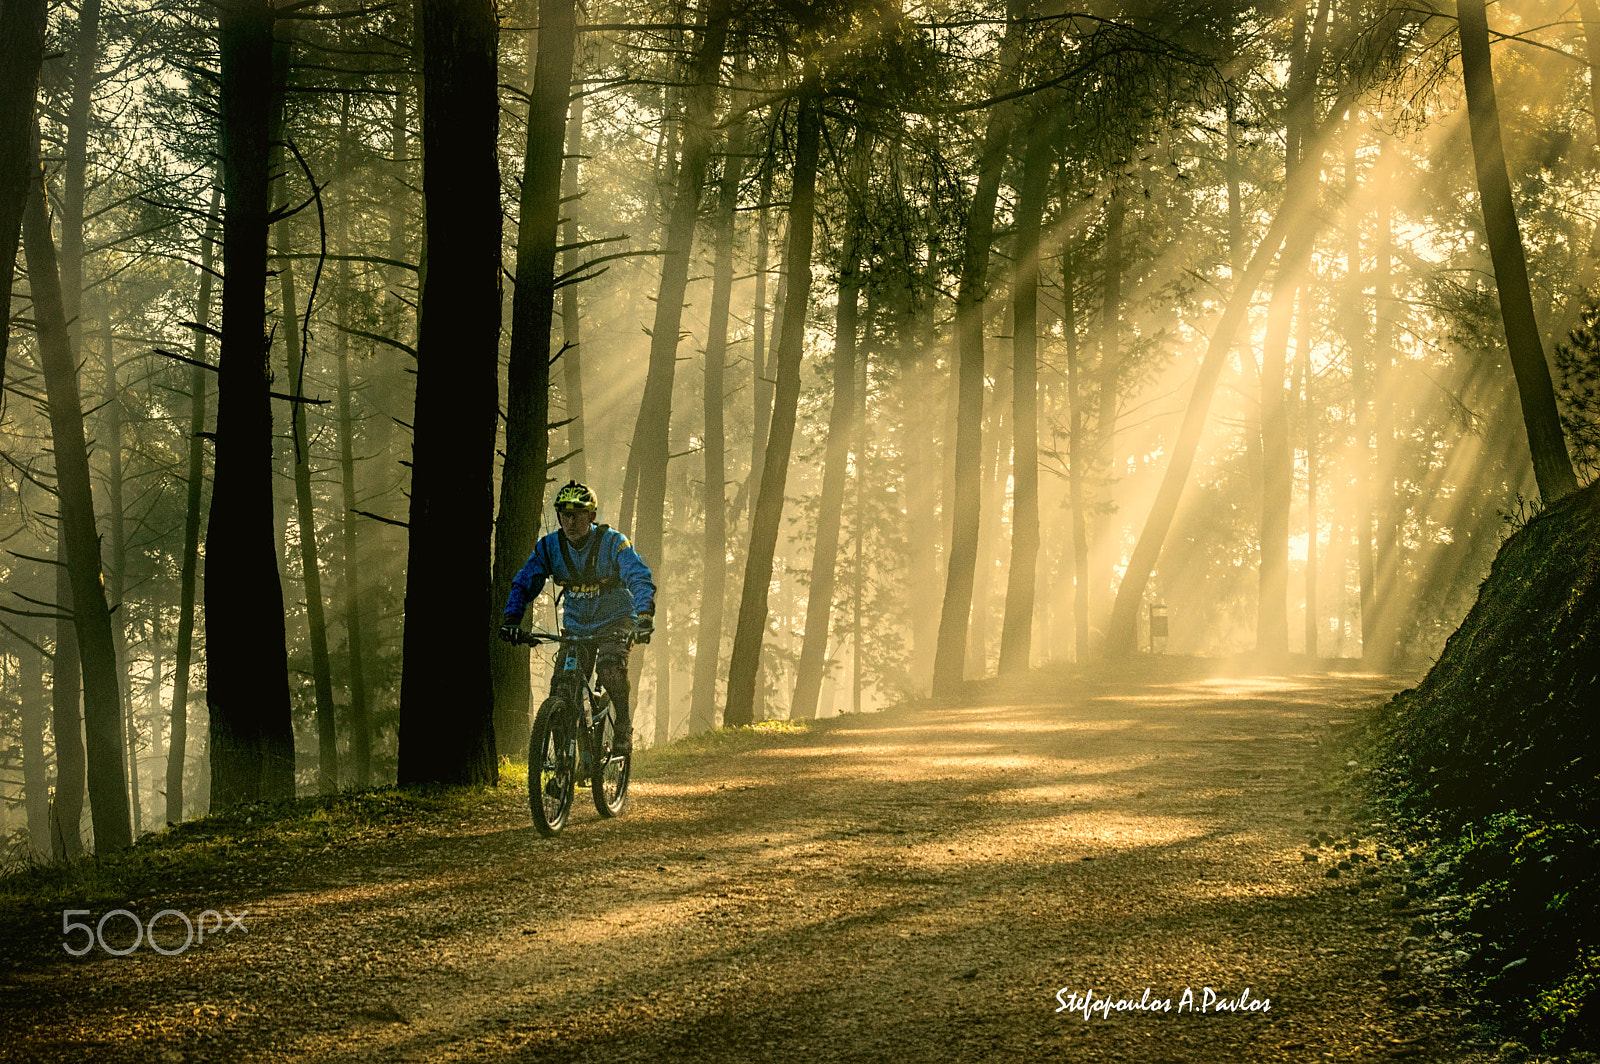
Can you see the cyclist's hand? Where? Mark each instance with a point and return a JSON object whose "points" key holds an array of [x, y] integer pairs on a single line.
{"points": [[643, 626], [510, 632]]}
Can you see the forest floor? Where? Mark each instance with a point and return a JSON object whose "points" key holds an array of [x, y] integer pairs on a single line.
{"points": [[931, 883]]}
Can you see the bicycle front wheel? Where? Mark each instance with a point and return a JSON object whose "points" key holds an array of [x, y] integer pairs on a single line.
{"points": [[609, 781], [552, 766]]}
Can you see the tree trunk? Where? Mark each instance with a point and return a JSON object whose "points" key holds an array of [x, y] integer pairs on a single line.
{"points": [[920, 444], [830, 510], [1579, 290], [1552, 468], [22, 30], [714, 547], [247, 690], [522, 479], [360, 729], [116, 563], [572, 354], [767, 513], [66, 721], [973, 291], [1294, 216], [760, 386], [447, 714], [1077, 460], [650, 447], [1379, 642], [1361, 390], [1277, 454], [35, 772], [306, 526], [359, 724], [860, 433], [177, 746], [75, 168], [1016, 633], [108, 794], [996, 444], [1305, 388], [1105, 531], [153, 692]]}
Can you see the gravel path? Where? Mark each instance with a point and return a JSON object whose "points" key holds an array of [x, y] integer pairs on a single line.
{"points": [[938, 882]]}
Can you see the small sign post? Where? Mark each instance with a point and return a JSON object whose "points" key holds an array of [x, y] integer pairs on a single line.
{"points": [[1158, 625]]}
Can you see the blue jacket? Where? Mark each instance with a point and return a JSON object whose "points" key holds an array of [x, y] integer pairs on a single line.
{"points": [[604, 580]]}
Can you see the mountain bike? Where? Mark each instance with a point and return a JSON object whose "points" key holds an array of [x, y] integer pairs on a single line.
{"points": [[574, 732]]}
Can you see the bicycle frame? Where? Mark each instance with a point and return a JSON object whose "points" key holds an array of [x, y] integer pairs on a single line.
{"points": [[571, 739]]}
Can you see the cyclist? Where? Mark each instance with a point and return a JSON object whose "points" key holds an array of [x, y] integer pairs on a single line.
{"points": [[606, 591]]}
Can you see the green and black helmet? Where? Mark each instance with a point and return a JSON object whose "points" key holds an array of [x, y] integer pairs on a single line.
{"points": [[576, 497]]}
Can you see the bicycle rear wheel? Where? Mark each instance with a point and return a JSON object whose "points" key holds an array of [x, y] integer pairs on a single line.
{"points": [[609, 781], [552, 766]]}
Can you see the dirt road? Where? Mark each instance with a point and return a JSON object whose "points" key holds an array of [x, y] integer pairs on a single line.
{"points": [[934, 883]]}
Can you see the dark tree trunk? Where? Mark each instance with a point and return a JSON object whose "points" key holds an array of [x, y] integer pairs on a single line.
{"points": [[528, 378], [841, 419], [108, 794], [446, 713], [177, 746], [22, 29], [1016, 633], [966, 498], [247, 690], [1552, 467], [714, 548], [767, 514]]}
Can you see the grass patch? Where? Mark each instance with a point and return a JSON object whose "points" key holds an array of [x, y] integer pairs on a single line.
{"points": [[724, 742], [243, 848]]}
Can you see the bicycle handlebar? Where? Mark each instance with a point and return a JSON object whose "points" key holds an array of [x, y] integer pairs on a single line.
{"points": [[534, 639]]}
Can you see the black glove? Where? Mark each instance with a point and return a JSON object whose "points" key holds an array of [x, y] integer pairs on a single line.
{"points": [[510, 632], [643, 626]]}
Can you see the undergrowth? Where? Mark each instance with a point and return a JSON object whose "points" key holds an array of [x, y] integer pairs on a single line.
{"points": [[1491, 760]]}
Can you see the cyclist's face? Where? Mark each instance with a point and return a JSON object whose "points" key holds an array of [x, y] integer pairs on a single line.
{"points": [[575, 523]]}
